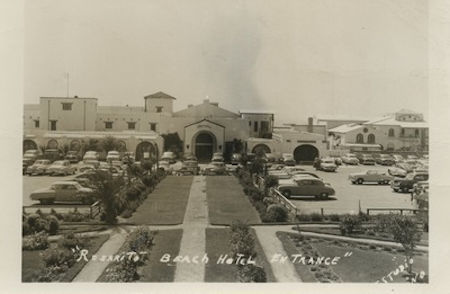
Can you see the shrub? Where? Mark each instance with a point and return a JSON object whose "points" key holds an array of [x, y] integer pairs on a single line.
{"points": [[350, 224], [334, 217], [304, 217], [75, 216], [241, 241], [127, 213], [276, 213], [58, 257], [53, 225], [140, 239], [71, 240], [383, 222], [132, 193], [268, 201], [251, 273], [25, 228], [37, 241], [316, 217], [59, 216], [52, 274]]}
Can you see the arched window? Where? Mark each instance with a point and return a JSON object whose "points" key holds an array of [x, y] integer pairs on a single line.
{"points": [[391, 133], [360, 138], [371, 139]]}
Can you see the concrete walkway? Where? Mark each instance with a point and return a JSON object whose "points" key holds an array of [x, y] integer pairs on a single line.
{"points": [[283, 272], [93, 269], [194, 236]]}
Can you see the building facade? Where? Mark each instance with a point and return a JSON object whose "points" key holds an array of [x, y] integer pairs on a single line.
{"points": [[203, 129]]}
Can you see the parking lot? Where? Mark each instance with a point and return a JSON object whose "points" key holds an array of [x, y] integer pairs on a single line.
{"points": [[348, 196]]}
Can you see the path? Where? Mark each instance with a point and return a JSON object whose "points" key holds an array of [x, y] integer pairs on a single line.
{"points": [[194, 236], [93, 269], [283, 272]]}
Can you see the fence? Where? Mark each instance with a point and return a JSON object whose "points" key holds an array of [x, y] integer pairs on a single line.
{"points": [[413, 210], [93, 210], [284, 201]]}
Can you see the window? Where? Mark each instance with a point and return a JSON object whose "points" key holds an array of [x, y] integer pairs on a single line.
{"points": [[36, 124], [153, 127], [159, 108], [249, 123], [53, 125], [371, 139], [391, 133], [131, 125], [255, 126], [108, 124], [66, 106], [416, 133], [265, 126], [360, 138], [403, 132]]}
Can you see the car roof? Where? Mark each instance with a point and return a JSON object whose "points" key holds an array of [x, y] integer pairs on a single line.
{"points": [[308, 177], [64, 183]]}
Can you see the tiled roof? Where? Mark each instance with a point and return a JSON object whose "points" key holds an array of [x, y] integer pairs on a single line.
{"points": [[345, 128], [391, 121]]}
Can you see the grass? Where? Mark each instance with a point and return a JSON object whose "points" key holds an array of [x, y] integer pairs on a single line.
{"points": [[32, 263], [166, 205], [366, 263], [166, 241], [217, 244], [227, 201]]}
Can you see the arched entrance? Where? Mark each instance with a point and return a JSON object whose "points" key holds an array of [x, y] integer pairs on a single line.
{"points": [[261, 149], [143, 148], [204, 146], [29, 145], [305, 154], [52, 144], [75, 145]]}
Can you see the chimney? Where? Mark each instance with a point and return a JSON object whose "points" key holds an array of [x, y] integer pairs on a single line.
{"points": [[310, 124]]}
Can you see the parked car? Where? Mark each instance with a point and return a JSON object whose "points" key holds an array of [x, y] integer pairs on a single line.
{"points": [[350, 158], [91, 155], [86, 167], [29, 157], [93, 162], [398, 158], [327, 164], [299, 174], [113, 170], [215, 168], [53, 155], [288, 159], [366, 159], [113, 156], [412, 157], [217, 157], [279, 174], [236, 158], [64, 191], [165, 166], [370, 176], [60, 167], [169, 157], [39, 167], [406, 184], [292, 169], [399, 170], [72, 156], [385, 159], [189, 165], [306, 186], [270, 157]]}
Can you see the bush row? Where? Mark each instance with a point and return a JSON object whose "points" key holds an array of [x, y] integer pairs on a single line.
{"points": [[267, 209], [39, 222], [242, 243]]}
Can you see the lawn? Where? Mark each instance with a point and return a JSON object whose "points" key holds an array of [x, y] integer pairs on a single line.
{"points": [[367, 263], [227, 201], [217, 244], [33, 265], [166, 205], [166, 241]]}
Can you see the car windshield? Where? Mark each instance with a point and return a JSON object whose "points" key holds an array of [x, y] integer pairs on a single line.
{"points": [[351, 155]]}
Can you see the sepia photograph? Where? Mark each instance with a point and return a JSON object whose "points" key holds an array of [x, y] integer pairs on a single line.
{"points": [[230, 142]]}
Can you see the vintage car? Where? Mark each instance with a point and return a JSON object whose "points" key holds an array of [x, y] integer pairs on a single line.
{"points": [[306, 186], [113, 156], [370, 176], [385, 159], [215, 168], [279, 174], [350, 158], [64, 191], [236, 158], [113, 170], [299, 174], [399, 170], [165, 166], [39, 167], [287, 159], [169, 157], [366, 159], [29, 157], [91, 155], [292, 169], [327, 164], [72, 157], [189, 167], [406, 184], [217, 157], [60, 167], [398, 158]]}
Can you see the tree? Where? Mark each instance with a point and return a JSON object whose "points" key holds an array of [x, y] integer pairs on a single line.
{"points": [[269, 182], [172, 142], [404, 230], [257, 166], [110, 144]]}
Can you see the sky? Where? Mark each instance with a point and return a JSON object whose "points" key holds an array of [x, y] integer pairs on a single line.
{"points": [[296, 58]]}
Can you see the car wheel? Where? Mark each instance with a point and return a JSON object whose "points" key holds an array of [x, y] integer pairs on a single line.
{"points": [[287, 194], [360, 181], [324, 195]]}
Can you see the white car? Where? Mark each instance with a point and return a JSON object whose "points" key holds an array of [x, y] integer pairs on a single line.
{"points": [[169, 157], [113, 156], [327, 164], [350, 158]]}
